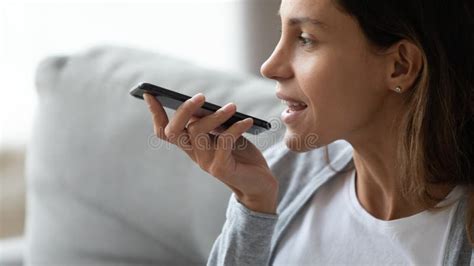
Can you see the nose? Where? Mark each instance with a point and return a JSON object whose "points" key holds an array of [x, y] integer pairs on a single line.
{"points": [[277, 66]]}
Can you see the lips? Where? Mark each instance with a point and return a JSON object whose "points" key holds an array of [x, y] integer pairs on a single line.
{"points": [[294, 112], [292, 103]]}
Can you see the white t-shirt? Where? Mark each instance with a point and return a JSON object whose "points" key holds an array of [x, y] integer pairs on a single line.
{"points": [[336, 229]]}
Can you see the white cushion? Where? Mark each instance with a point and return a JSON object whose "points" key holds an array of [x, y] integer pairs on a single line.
{"points": [[101, 187]]}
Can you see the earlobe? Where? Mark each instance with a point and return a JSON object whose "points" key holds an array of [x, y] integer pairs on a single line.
{"points": [[398, 89]]}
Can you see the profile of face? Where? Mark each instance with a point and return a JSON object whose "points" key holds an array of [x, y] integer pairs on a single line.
{"points": [[324, 61]]}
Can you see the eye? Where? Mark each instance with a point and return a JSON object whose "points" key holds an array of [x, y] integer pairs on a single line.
{"points": [[302, 40], [305, 41]]}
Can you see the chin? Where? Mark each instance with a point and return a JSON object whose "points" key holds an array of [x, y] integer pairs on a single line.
{"points": [[302, 142]]}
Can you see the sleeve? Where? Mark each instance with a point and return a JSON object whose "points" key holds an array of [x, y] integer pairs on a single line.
{"points": [[245, 238]]}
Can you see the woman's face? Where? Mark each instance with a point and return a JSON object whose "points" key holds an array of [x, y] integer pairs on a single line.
{"points": [[326, 63]]}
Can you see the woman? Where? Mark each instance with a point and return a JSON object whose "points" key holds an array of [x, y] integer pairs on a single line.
{"points": [[394, 79]]}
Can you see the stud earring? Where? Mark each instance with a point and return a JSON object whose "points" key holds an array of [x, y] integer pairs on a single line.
{"points": [[398, 89]]}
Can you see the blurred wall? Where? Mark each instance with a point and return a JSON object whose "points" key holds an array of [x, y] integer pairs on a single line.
{"points": [[262, 25], [231, 35]]}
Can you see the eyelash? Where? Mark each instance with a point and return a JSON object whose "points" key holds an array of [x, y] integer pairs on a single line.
{"points": [[303, 41]]}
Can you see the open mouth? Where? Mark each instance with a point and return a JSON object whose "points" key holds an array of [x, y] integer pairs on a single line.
{"points": [[294, 106], [294, 111]]}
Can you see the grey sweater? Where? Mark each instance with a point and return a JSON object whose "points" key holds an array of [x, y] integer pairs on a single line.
{"points": [[251, 238]]}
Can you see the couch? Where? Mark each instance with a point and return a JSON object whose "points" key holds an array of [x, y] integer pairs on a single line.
{"points": [[102, 189]]}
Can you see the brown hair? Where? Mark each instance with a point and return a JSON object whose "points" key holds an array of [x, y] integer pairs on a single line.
{"points": [[435, 145]]}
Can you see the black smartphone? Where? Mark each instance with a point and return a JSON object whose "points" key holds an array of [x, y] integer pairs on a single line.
{"points": [[172, 99]]}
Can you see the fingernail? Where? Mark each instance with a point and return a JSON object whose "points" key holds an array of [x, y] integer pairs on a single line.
{"points": [[228, 108], [145, 97], [248, 119], [197, 98]]}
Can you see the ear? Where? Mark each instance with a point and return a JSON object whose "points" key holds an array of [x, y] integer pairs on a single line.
{"points": [[405, 62]]}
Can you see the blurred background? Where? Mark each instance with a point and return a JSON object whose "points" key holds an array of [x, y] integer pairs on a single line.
{"points": [[217, 34]]}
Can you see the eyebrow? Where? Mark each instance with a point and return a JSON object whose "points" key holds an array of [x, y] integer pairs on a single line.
{"points": [[304, 20]]}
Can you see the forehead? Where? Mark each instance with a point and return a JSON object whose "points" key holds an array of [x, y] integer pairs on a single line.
{"points": [[333, 18], [306, 8]]}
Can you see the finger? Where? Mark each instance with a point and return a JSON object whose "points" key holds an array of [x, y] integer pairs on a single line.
{"points": [[227, 139], [160, 121], [217, 131], [193, 119], [199, 130], [214, 132], [212, 121], [160, 118], [177, 124]]}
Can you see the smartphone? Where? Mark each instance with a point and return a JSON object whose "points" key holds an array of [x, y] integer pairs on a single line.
{"points": [[172, 99]]}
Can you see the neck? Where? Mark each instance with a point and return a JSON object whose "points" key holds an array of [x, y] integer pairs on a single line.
{"points": [[380, 194], [377, 186]]}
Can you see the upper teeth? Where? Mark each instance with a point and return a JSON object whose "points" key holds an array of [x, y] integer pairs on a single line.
{"points": [[293, 103]]}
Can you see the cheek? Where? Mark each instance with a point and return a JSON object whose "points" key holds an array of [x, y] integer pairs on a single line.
{"points": [[338, 89], [326, 85]]}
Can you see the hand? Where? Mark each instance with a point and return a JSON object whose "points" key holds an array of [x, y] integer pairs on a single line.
{"points": [[225, 154]]}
